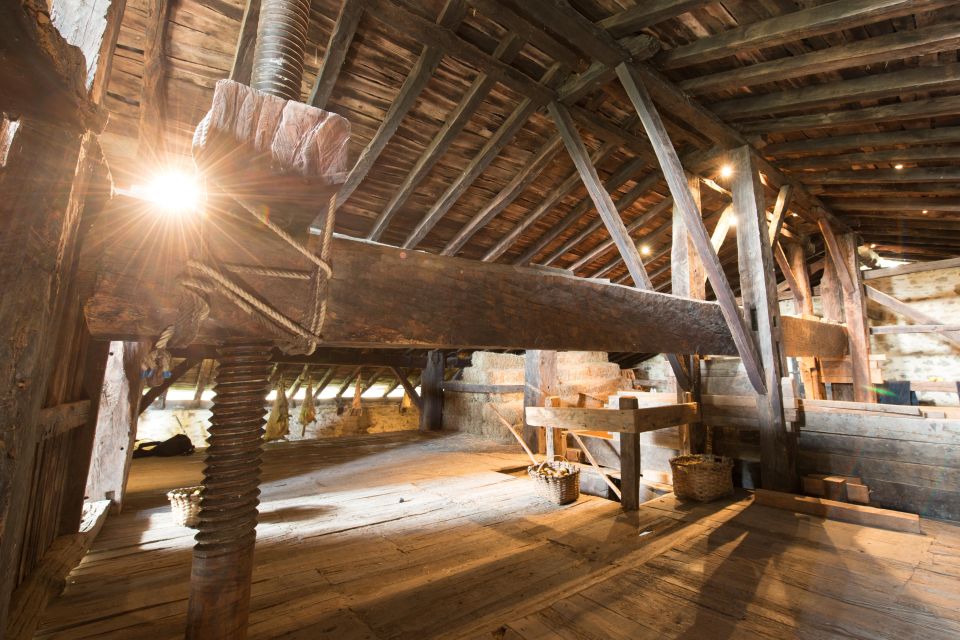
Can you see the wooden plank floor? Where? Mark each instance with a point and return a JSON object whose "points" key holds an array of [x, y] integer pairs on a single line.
{"points": [[408, 536]]}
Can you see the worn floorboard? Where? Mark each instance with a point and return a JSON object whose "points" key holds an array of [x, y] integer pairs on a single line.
{"points": [[411, 536]]}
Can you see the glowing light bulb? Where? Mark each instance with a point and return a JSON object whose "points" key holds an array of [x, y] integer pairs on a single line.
{"points": [[172, 192], [726, 171], [644, 250], [898, 166], [925, 211]]}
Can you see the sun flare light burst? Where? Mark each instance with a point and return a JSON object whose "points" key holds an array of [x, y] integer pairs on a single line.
{"points": [[172, 192]]}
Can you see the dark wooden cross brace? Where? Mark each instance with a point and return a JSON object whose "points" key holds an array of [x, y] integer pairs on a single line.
{"points": [[609, 214], [676, 180]]}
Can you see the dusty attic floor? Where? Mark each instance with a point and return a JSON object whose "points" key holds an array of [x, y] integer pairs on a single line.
{"points": [[408, 536]]}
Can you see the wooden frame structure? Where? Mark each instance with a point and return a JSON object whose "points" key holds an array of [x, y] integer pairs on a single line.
{"points": [[458, 119]]}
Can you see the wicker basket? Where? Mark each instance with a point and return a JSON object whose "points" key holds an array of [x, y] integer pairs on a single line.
{"points": [[185, 505], [702, 477], [559, 489]]}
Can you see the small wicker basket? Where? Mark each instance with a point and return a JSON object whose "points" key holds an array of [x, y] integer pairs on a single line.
{"points": [[185, 505], [557, 481], [703, 477]]}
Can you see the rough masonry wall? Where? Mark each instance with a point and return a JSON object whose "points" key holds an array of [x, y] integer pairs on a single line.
{"points": [[920, 356], [379, 417], [586, 372]]}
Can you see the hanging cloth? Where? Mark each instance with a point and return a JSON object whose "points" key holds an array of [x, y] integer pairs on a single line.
{"points": [[308, 411], [356, 408], [278, 424]]}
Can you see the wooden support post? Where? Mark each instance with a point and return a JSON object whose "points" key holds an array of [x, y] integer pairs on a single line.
{"points": [[223, 556], [762, 310], [540, 381], [555, 444], [842, 253], [38, 227], [116, 423], [803, 297], [676, 180], [431, 392], [688, 280], [629, 463], [83, 438]]}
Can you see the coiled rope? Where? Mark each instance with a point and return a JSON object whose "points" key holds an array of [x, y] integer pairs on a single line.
{"points": [[207, 276]]}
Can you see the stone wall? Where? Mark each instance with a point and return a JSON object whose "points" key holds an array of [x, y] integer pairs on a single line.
{"points": [[920, 356], [379, 416], [578, 371]]}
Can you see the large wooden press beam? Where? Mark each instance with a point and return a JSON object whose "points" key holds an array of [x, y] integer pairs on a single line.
{"points": [[382, 295]]}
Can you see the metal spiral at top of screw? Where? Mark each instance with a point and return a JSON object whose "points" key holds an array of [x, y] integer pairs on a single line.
{"points": [[281, 45]]}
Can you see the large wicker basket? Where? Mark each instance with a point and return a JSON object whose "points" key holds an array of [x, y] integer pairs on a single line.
{"points": [[557, 481], [703, 477], [185, 505]]}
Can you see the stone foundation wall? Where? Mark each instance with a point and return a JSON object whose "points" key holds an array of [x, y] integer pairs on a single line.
{"points": [[920, 356], [579, 372], [378, 417]]}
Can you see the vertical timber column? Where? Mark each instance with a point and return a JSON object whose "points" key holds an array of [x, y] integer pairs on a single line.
{"points": [[688, 281], [809, 367], [37, 230], [117, 416], [762, 310], [855, 316], [539, 381], [431, 392], [629, 463], [223, 556], [842, 256]]}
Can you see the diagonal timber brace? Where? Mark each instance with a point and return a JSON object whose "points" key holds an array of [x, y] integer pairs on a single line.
{"points": [[676, 180]]}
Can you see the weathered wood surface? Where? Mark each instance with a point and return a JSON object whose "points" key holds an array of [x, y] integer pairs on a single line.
{"points": [[638, 420], [433, 301], [673, 172], [269, 152], [41, 74], [789, 27], [467, 543], [39, 226], [540, 381], [431, 392], [761, 311], [93, 26], [116, 423], [47, 581], [844, 511], [910, 313], [63, 417], [151, 142]]}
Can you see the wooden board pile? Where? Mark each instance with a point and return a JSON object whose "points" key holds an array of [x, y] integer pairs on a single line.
{"points": [[839, 488]]}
